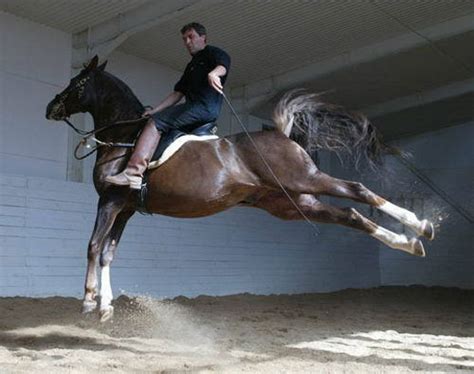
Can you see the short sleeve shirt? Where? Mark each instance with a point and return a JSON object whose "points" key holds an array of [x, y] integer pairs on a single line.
{"points": [[194, 84]]}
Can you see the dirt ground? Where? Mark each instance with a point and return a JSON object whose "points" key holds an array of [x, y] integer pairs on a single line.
{"points": [[383, 330]]}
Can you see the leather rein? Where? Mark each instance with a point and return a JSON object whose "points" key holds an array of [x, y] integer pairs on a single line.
{"points": [[91, 135]]}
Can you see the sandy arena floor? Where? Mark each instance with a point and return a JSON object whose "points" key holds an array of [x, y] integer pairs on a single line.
{"points": [[385, 330]]}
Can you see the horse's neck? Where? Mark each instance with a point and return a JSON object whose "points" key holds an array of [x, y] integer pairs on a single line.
{"points": [[111, 113], [112, 106]]}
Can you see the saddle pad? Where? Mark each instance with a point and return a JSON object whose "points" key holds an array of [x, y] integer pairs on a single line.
{"points": [[176, 145]]}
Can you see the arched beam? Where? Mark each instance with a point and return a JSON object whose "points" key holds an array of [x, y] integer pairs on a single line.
{"points": [[421, 98]]}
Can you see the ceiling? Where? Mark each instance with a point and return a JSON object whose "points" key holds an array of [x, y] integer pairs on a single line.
{"points": [[71, 16], [367, 54]]}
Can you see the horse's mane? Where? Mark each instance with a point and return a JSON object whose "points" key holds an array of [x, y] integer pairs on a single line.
{"points": [[126, 92]]}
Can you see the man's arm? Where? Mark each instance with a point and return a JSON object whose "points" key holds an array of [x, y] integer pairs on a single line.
{"points": [[214, 78], [170, 100]]}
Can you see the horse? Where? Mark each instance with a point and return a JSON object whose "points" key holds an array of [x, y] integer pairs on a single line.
{"points": [[207, 177]]}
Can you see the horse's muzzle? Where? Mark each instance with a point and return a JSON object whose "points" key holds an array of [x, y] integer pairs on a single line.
{"points": [[55, 111]]}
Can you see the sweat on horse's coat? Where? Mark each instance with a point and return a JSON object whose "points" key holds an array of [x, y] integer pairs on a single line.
{"points": [[207, 177]]}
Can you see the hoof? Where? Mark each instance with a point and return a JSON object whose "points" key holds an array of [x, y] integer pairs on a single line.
{"points": [[427, 229], [417, 247], [106, 314], [88, 306]]}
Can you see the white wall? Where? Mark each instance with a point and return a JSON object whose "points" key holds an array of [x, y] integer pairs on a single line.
{"points": [[34, 63]]}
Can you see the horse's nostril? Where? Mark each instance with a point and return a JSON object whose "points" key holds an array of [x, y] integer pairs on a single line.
{"points": [[55, 111]]}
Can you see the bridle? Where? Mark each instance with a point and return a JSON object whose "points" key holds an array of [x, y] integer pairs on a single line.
{"points": [[91, 135]]}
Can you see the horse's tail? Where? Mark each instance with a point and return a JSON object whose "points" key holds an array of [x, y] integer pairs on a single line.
{"points": [[315, 125]]}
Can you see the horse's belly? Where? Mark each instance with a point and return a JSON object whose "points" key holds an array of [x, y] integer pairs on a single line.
{"points": [[177, 205]]}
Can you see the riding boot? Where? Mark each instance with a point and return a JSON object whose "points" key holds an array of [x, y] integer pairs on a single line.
{"points": [[141, 156]]}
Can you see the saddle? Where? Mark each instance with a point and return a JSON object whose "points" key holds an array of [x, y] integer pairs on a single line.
{"points": [[175, 139]]}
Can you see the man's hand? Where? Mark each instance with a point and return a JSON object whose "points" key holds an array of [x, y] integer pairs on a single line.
{"points": [[215, 81], [148, 113], [170, 100]]}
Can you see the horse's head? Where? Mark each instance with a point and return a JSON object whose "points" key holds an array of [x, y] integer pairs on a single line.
{"points": [[78, 96]]}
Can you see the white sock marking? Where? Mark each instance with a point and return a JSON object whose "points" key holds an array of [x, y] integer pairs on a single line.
{"points": [[393, 240], [105, 288], [404, 216]]}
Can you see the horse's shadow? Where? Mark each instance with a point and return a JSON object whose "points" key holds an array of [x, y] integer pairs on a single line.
{"points": [[43, 323]]}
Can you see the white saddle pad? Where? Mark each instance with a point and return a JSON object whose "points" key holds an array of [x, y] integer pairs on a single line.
{"points": [[176, 145]]}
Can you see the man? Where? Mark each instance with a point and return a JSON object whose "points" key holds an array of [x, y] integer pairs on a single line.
{"points": [[202, 86]]}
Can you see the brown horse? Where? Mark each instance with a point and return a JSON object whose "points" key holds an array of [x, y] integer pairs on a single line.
{"points": [[207, 177]]}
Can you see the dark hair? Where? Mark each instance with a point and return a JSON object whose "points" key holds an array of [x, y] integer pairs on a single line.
{"points": [[200, 29]]}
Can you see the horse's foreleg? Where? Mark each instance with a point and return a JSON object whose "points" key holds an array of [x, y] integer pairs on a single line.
{"points": [[278, 205], [106, 213], [325, 184], [106, 257]]}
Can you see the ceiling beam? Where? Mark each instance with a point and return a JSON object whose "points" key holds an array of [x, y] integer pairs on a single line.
{"points": [[422, 98], [261, 91], [104, 38]]}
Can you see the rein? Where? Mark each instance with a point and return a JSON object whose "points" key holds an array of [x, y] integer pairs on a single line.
{"points": [[90, 135]]}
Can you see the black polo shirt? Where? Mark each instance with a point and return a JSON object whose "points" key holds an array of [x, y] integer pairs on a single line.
{"points": [[194, 84]]}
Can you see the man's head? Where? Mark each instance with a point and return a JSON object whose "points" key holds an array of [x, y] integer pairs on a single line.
{"points": [[194, 37]]}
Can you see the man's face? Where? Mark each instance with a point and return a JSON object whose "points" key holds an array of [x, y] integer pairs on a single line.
{"points": [[193, 41]]}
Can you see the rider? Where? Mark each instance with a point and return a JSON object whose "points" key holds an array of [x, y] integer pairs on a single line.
{"points": [[201, 85]]}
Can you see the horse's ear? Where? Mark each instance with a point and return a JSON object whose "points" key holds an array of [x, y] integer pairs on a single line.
{"points": [[93, 63], [102, 66]]}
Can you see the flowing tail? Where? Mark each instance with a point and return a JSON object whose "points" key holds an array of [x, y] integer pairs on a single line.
{"points": [[315, 124]]}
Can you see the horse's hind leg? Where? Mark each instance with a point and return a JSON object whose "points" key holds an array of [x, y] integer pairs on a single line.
{"points": [[325, 184], [106, 257], [298, 174], [106, 212], [279, 205]]}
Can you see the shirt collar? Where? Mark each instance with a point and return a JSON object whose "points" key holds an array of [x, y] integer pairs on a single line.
{"points": [[201, 51]]}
